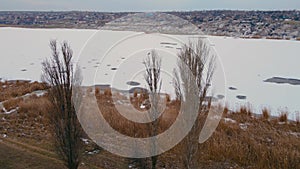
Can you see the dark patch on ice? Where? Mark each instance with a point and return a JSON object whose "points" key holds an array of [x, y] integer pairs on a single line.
{"points": [[241, 97], [83, 67], [179, 48], [31, 64], [103, 86], [108, 65], [232, 88], [24, 70], [98, 63], [220, 96], [96, 66], [113, 68], [168, 43], [210, 98], [138, 89], [133, 83], [105, 74], [281, 80], [169, 47], [123, 58]]}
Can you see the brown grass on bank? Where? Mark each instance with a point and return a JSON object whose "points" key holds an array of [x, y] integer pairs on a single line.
{"points": [[12, 89], [283, 117], [135, 93], [297, 116], [117, 121], [168, 98], [29, 121], [265, 114], [249, 143], [97, 91], [107, 92], [12, 103], [261, 144], [245, 110]]}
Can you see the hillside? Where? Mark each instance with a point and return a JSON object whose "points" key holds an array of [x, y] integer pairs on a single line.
{"points": [[242, 139]]}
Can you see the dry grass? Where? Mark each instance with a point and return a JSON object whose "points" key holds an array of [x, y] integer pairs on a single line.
{"points": [[265, 114], [117, 121], [283, 117], [168, 98], [12, 89], [30, 120], [297, 118], [12, 103], [97, 91], [245, 110], [107, 92], [261, 144]]}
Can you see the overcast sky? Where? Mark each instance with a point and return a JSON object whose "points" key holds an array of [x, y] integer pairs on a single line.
{"points": [[148, 5]]}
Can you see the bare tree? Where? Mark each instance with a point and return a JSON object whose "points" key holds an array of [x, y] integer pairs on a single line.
{"points": [[195, 59], [152, 76], [59, 73]]}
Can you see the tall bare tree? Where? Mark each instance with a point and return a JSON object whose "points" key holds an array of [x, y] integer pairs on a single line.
{"points": [[152, 76], [196, 59], [59, 73]]}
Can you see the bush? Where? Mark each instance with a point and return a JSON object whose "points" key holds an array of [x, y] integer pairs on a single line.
{"points": [[283, 117], [246, 111], [168, 98], [107, 92], [97, 91], [135, 93], [298, 118], [265, 114]]}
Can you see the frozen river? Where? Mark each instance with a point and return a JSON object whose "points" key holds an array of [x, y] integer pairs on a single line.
{"points": [[115, 58]]}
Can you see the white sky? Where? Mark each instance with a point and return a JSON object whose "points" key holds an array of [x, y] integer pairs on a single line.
{"points": [[148, 5]]}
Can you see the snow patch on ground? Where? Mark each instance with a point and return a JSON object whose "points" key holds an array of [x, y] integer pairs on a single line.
{"points": [[244, 126], [229, 120]]}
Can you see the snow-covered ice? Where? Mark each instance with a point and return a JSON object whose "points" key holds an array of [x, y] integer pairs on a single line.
{"points": [[243, 63]]}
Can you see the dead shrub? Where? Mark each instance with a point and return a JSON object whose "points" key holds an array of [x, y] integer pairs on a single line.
{"points": [[135, 93], [265, 114], [283, 116], [245, 110], [97, 91], [225, 111], [297, 118], [168, 98], [107, 92]]}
